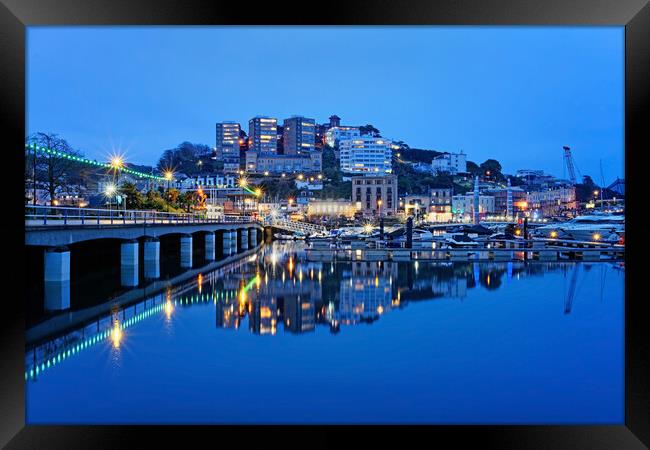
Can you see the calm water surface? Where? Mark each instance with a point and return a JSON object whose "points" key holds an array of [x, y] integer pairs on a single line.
{"points": [[278, 339]]}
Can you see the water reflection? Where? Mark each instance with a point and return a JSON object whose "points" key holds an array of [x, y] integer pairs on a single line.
{"points": [[279, 288]]}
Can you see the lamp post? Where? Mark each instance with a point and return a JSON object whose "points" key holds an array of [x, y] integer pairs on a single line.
{"points": [[109, 191]]}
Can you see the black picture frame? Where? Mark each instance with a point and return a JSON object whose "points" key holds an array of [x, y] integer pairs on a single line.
{"points": [[15, 15]]}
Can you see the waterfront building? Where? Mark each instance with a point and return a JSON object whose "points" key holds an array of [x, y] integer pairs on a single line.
{"points": [[375, 195], [311, 162], [263, 135], [299, 135], [227, 145], [462, 206], [519, 200], [440, 210], [366, 154], [452, 163], [415, 205], [331, 208], [552, 202]]}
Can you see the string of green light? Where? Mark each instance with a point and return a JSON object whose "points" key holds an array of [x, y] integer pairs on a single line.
{"points": [[90, 162]]}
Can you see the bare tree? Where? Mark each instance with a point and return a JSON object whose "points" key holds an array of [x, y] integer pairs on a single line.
{"points": [[51, 170]]}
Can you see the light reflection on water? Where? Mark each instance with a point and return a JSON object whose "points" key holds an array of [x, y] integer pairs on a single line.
{"points": [[279, 293]]}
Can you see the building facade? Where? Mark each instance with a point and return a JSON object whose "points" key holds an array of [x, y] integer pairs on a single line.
{"points": [[552, 202], [375, 195], [263, 135], [452, 163], [366, 155], [331, 208], [299, 135], [462, 206], [519, 200], [272, 163], [336, 134], [227, 145]]}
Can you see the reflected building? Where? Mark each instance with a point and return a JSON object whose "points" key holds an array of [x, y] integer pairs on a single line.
{"points": [[263, 317], [299, 314], [227, 313], [366, 291]]}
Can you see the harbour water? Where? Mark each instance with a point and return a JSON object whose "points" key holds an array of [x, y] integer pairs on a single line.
{"points": [[278, 339]]}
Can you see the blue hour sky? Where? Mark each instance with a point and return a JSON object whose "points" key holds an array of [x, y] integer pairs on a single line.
{"points": [[516, 94]]}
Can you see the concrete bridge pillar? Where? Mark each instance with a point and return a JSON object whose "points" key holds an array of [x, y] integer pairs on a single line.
{"points": [[152, 258], [244, 239], [252, 241], [57, 279], [210, 246], [227, 244], [186, 251], [233, 242], [129, 263]]}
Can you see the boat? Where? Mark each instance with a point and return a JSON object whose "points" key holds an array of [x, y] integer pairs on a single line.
{"points": [[593, 227], [289, 237], [460, 240], [419, 235]]}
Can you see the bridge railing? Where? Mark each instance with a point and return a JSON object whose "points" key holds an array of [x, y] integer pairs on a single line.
{"points": [[64, 215]]}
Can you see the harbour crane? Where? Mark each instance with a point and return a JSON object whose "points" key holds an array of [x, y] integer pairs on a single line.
{"points": [[568, 159]]}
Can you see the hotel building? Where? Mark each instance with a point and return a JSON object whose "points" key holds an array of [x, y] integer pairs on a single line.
{"points": [[227, 145], [366, 154], [299, 135], [375, 195], [263, 135]]}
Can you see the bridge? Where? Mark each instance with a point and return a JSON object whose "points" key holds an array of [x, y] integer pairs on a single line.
{"points": [[294, 225], [56, 228]]}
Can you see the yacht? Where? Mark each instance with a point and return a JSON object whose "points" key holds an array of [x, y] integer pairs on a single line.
{"points": [[460, 240], [592, 227]]}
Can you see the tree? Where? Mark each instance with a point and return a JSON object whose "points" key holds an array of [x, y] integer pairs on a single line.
{"points": [[134, 199], [53, 171], [491, 165], [188, 158], [473, 168]]}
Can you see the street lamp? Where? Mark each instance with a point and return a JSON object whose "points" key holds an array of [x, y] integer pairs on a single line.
{"points": [[379, 202], [109, 191]]}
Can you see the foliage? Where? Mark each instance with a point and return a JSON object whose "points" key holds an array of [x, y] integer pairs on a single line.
{"points": [[134, 199], [411, 182], [188, 158], [369, 129], [58, 175], [277, 189], [418, 155]]}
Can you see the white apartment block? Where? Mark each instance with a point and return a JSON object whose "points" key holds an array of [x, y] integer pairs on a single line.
{"points": [[336, 134], [366, 155]]}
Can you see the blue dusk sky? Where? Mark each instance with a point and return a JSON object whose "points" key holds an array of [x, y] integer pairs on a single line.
{"points": [[516, 94]]}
